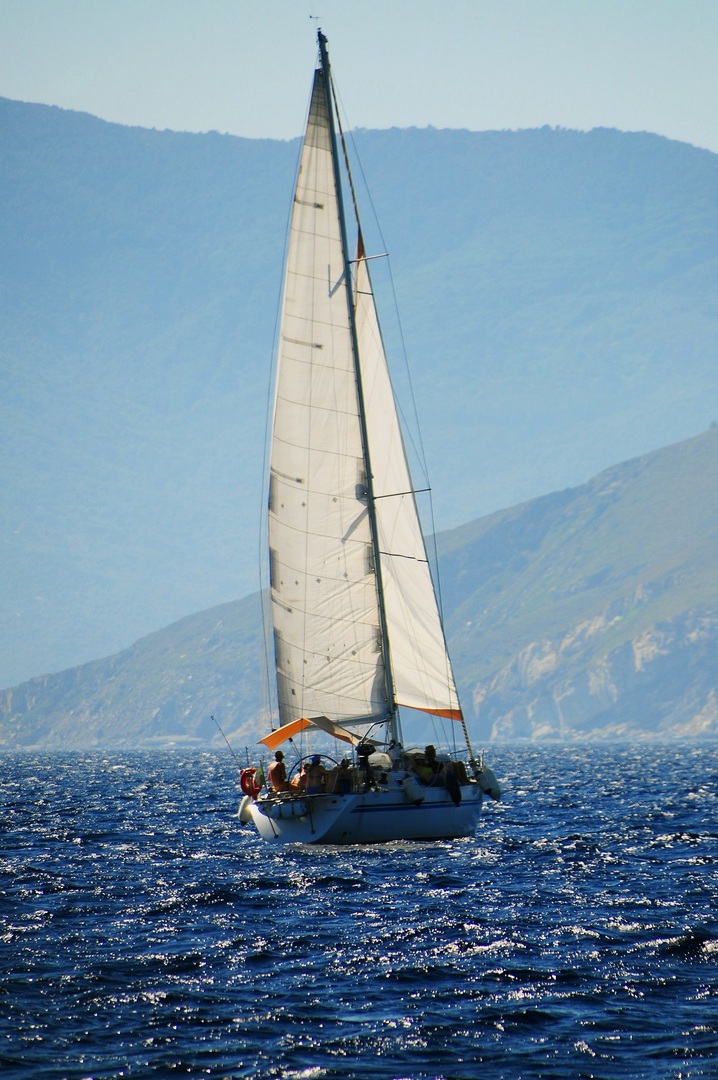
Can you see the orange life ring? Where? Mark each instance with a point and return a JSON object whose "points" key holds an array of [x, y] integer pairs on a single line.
{"points": [[248, 783]]}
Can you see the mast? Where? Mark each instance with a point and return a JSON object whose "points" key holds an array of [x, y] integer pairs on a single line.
{"points": [[392, 717]]}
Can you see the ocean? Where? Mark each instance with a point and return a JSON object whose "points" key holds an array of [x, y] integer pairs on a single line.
{"points": [[146, 933]]}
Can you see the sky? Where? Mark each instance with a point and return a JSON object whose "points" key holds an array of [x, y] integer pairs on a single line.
{"points": [[243, 66]]}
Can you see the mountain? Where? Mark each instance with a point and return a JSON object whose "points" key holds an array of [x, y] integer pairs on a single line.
{"points": [[590, 613], [593, 612], [558, 293], [162, 691]]}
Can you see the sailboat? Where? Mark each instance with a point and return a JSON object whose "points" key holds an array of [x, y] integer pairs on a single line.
{"points": [[356, 624]]}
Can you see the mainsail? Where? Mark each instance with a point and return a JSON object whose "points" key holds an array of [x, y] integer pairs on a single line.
{"points": [[356, 625]]}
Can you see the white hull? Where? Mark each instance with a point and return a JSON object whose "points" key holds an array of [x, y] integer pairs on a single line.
{"points": [[368, 817]]}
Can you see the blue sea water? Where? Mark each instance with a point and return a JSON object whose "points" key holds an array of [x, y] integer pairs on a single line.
{"points": [[145, 933]]}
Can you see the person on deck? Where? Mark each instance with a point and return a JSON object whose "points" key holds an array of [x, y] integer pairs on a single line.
{"points": [[429, 769], [430, 755], [299, 783], [278, 773], [316, 776], [339, 779]]}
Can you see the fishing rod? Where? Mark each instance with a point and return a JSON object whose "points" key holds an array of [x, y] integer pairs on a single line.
{"points": [[227, 742]]}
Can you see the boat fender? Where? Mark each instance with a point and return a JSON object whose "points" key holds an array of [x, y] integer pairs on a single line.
{"points": [[243, 813], [412, 789], [248, 783], [488, 783]]}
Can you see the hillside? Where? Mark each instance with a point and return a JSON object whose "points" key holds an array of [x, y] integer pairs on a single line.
{"points": [[590, 613], [162, 691], [558, 293], [593, 612]]}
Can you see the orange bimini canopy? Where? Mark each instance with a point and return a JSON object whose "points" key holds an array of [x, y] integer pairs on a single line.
{"points": [[276, 738]]}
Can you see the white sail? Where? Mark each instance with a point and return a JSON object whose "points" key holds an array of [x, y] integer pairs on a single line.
{"points": [[329, 650], [420, 665], [325, 613]]}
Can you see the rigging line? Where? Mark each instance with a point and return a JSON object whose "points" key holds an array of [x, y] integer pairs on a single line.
{"points": [[346, 155], [415, 430], [400, 494], [413, 435]]}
